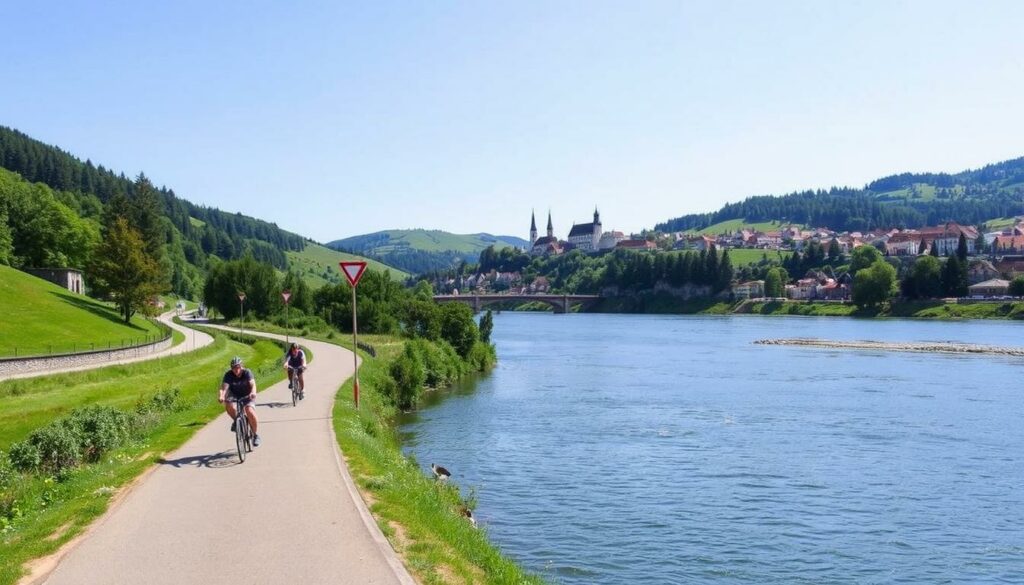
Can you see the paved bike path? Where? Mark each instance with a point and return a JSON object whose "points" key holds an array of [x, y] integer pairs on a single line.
{"points": [[289, 514], [193, 340]]}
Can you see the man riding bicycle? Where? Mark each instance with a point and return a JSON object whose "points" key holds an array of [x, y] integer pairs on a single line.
{"points": [[239, 384], [295, 359]]}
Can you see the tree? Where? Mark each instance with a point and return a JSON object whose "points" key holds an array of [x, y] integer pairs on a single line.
{"points": [[934, 250], [725, 272], [954, 277], [873, 285], [486, 326], [925, 279], [122, 271], [833, 250], [1017, 287], [863, 257], [775, 282], [961, 248]]}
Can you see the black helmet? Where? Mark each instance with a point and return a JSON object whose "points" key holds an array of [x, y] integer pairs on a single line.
{"points": [[236, 361]]}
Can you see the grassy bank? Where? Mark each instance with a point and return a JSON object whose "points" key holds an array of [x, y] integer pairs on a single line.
{"points": [[42, 318], [39, 512], [908, 309], [421, 517]]}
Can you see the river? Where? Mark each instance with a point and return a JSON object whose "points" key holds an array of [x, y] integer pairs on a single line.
{"points": [[672, 449]]}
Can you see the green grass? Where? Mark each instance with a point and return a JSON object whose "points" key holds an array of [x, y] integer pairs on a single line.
{"points": [[52, 512], [318, 265], [741, 256], [418, 515], [732, 225], [196, 222], [40, 317], [1000, 223]]}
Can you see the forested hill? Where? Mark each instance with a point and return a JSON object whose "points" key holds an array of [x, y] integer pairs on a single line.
{"points": [[419, 250], [904, 200], [195, 232]]}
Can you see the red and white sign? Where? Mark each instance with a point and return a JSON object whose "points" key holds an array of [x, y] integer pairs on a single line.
{"points": [[286, 294], [241, 296], [353, 271]]}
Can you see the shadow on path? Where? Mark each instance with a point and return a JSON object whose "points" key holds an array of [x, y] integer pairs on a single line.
{"points": [[214, 461]]}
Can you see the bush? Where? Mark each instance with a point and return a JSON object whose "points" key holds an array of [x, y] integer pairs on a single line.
{"points": [[409, 375], [25, 456], [7, 472], [60, 446], [102, 428]]}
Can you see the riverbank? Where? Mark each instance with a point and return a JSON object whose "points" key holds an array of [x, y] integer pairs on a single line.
{"points": [[920, 347]]}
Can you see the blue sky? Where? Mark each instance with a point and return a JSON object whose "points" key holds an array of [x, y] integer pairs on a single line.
{"points": [[334, 119]]}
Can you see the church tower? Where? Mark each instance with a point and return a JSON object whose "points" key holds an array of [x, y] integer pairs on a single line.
{"points": [[597, 229], [533, 228], [551, 229]]}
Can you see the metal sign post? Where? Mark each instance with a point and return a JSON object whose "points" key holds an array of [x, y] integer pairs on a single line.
{"points": [[286, 294], [353, 271], [241, 311]]}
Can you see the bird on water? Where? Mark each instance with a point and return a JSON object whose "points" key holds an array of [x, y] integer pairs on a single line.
{"points": [[440, 472]]}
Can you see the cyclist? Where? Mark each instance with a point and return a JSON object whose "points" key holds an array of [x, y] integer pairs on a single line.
{"points": [[240, 383], [296, 359]]}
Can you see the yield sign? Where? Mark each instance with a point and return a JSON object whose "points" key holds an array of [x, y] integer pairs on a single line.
{"points": [[353, 271], [287, 294]]}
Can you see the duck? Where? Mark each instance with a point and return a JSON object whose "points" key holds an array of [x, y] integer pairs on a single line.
{"points": [[440, 472], [468, 515]]}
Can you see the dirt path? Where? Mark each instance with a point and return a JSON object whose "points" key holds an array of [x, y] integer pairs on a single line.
{"points": [[289, 514]]}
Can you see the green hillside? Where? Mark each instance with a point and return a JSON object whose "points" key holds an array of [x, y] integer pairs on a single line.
{"points": [[41, 317], [733, 225], [913, 200], [421, 250], [318, 265]]}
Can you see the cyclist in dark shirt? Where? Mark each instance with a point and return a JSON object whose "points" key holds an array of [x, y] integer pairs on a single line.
{"points": [[239, 382], [296, 359]]}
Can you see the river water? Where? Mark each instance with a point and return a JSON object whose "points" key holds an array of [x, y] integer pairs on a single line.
{"points": [[671, 449]]}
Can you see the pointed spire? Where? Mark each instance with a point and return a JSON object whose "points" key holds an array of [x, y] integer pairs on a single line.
{"points": [[533, 221], [551, 228], [597, 216]]}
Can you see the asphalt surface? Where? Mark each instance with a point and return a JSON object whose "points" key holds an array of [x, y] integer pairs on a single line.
{"points": [[289, 514], [193, 340]]}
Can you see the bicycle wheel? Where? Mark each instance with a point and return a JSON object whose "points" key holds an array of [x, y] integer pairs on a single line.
{"points": [[295, 388], [248, 435], [240, 437]]}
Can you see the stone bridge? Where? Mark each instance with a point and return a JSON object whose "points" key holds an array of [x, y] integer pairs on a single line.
{"points": [[561, 303]]}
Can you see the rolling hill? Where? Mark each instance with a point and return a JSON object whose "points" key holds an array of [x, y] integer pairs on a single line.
{"points": [[904, 200], [318, 265], [422, 250], [41, 317]]}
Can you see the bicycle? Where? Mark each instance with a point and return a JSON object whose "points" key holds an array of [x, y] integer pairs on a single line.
{"points": [[295, 383], [243, 433]]}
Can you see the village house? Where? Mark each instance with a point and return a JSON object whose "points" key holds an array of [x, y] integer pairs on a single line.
{"points": [[981, 270], [636, 245], [996, 287], [753, 289]]}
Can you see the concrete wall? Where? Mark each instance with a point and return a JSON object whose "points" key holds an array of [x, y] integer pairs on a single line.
{"points": [[50, 363]]}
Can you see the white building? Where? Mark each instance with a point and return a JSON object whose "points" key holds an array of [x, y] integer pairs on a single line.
{"points": [[587, 236]]}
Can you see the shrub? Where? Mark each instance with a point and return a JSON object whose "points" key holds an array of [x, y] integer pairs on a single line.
{"points": [[102, 428], [409, 376], [7, 472], [25, 456], [60, 446]]}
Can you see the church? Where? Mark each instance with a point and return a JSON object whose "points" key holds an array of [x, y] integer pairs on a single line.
{"points": [[584, 236]]}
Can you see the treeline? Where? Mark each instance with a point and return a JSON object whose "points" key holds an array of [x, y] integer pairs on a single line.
{"points": [[970, 197], [410, 259], [86, 188]]}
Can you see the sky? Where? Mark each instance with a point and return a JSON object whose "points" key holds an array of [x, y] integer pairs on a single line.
{"points": [[334, 119]]}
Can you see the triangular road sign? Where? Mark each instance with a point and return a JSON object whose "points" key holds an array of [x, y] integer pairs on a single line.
{"points": [[353, 271]]}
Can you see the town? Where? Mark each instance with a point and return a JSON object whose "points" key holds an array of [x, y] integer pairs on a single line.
{"points": [[993, 258]]}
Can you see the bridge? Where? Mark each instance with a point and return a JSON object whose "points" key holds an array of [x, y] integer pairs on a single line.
{"points": [[561, 303]]}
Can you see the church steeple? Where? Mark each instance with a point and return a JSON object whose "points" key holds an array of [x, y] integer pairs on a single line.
{"points": [[533, 227], [551, 229], [597, 216]]}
